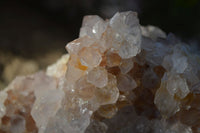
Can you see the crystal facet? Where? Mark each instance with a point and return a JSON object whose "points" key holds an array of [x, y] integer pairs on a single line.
{"points": [[119, 77]]}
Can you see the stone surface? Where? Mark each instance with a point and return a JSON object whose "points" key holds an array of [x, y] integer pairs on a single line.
{"points": [[119, 77]]}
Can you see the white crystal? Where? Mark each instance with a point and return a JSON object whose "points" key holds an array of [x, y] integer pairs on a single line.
{"points": [[85, 90], [108, 94], [175, 62], [58, 69], [98, 77], [127, 26], [90, 57], [118, 79], [177, 85], [60, 124], [75, 46], [46, 105], [92, 26]]}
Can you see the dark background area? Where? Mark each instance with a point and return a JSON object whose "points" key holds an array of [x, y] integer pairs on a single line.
{"points": [[28, 27], [31, 29]]}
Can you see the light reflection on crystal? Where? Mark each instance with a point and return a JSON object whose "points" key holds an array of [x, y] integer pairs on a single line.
{"points": [[119, 77]]}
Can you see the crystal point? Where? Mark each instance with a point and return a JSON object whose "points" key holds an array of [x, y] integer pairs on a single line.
{"points": [[119, 77]]}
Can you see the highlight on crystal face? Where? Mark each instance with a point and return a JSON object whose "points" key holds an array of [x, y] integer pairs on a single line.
{"points": [[119, 77]]}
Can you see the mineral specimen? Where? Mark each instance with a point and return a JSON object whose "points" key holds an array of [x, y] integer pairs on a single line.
{"points": [[119, 77]]}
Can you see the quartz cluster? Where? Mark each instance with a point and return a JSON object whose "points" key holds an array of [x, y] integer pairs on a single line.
{"points": [[119, 77]]}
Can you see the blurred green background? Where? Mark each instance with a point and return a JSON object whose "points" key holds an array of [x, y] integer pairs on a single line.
{"points": [[33, 33]]}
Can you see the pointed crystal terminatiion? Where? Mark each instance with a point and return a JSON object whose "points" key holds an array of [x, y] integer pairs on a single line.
{"points": [[119, 77]]}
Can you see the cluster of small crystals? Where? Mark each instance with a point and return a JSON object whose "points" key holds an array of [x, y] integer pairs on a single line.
{"points": [[119, 77]]}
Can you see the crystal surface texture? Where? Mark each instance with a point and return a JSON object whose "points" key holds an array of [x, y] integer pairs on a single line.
{"points": [[118, 77]]}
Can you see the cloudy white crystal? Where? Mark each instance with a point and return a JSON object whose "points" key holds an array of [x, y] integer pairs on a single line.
{"points": [[119, 77], [46, 105], [126, 26]]}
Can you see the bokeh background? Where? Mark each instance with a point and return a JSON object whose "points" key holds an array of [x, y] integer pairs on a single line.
{"points": [[33, 33]]}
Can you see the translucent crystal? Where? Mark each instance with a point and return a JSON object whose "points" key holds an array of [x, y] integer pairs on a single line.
{"points": [[108, 94], [175, 63], [107, 111], [113, 59], [165, 102], [119, 77], [77, 73], [46, 105], [90, 57], [75, 46], [92, 26], [98, 77], [127, 26], [177, 85], [126, 83], [85, 89], [60, 124], [126, 65]]}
